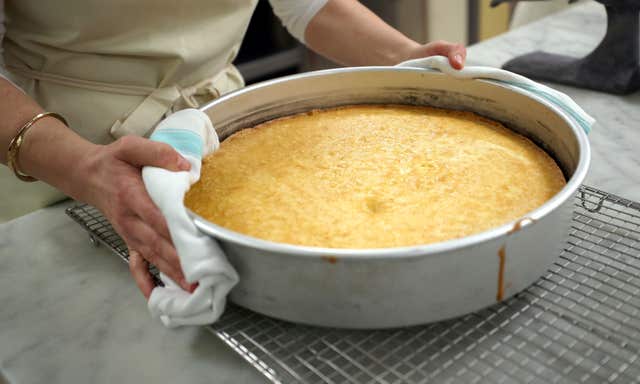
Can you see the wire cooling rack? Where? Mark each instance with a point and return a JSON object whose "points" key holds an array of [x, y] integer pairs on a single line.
{"points": [[579, 323]]}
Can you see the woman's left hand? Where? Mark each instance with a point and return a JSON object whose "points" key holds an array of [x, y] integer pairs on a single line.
{"points": [[456, 53]]}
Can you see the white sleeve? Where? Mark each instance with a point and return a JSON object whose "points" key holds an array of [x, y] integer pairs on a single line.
{"points": [[296, 14]]}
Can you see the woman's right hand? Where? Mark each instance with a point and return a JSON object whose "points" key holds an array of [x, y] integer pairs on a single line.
{"points": [[112, 181], [106, 176]]}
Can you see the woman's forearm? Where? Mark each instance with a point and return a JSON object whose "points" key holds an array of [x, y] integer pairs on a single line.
{"points": [[105, 176], [15, 109], [350, 34], [50, 151]]}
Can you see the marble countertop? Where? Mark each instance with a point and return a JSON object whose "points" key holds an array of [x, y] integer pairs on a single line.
{"points": [[615, 139], [70, 313]]}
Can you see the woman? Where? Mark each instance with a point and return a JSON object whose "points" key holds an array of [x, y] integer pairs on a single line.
{"points": [[115, 68]]}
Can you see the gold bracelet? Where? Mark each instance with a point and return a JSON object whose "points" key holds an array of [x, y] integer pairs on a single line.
{"points": [[16, 143]]}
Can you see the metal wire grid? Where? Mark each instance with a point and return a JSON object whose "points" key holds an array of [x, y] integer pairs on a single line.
{"points": [[580, 323]]}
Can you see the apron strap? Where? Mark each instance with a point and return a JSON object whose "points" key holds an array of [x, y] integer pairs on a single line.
{"points": [[163, 101], [93, 85], [157, 103], [144, 117]]}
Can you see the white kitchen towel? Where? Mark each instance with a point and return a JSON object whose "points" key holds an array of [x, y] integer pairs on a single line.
{"points": [[190, 132], [559, 99]]}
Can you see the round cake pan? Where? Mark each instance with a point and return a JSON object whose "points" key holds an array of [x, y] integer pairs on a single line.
{"points": [[393, 287]]}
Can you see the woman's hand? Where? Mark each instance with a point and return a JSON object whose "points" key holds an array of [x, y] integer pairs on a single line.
{"points": [[105, 176], [113, 183], [456, 53]]}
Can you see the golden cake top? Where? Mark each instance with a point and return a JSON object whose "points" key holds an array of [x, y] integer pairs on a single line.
{"points": [[373, 177]]}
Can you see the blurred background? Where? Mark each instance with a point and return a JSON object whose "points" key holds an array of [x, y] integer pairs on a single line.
{"points": [[269, 51]]}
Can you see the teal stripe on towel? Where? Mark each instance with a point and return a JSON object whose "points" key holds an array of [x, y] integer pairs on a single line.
{"points": [[584, 124], [184, 141], [586, 127]]}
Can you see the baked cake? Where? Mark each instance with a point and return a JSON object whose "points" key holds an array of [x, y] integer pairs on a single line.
{"points": [[373, 176]]}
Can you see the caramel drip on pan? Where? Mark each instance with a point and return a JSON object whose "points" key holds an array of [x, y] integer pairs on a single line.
{"points": [[502, 256], [330, 259]]}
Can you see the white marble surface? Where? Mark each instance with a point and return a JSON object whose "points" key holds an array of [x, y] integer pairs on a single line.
{"points": [[70, 313], [615, 140]]}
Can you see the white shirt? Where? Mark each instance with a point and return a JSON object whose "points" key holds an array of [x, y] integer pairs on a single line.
{"points": [[294, 15]]}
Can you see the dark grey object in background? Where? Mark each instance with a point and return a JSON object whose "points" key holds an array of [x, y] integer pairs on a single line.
{"points": [[613, 67]]}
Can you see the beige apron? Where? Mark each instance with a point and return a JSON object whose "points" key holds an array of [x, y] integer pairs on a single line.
{"points": [[116, 67]]}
